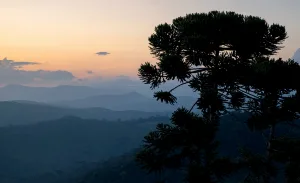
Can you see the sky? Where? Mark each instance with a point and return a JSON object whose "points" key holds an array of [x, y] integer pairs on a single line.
{"points": [[63, 36]]}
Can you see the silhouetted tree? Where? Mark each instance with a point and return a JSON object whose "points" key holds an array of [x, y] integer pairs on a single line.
{"points": [[273, 100], [225, 57]]}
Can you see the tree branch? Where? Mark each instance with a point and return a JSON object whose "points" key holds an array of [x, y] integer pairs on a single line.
{"points": [[199, 70], [193, 106], [249, 94], [179, 86]]}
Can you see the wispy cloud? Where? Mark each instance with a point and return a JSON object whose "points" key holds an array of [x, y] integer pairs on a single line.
{"points": [[5, 63], [89, 72], [102, 53]]}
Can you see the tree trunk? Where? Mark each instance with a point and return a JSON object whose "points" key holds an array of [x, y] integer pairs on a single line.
{"points": [[269, 179], [271, 137]]}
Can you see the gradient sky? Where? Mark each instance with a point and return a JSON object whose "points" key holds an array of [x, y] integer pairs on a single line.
{"points": [[66, 34]]}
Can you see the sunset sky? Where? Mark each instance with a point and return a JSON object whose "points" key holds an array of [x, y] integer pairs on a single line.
{"points": [[66, 34]]}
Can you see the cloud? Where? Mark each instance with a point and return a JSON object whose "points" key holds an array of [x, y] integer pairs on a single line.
{"points": [[58, 75], [11, 73], [102, 53], [89, 72], [10, 64]]}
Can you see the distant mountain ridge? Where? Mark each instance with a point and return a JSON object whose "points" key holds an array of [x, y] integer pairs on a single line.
{"points": [[296, 56], [127, 101], [70, 92], [27, 112], [46, 94]]}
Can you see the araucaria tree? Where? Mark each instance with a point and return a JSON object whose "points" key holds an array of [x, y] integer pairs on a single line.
{"points": [[225, 58]]}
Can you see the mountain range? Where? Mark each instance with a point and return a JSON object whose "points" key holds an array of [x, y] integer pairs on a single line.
{"points": [[42, 152], [128, 101], [27, 112], [70, 92], [124, 169], [48, 94], [88, 97]]}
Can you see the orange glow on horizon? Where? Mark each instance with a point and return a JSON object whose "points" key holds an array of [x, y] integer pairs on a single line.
{"points": [[64, 37]]}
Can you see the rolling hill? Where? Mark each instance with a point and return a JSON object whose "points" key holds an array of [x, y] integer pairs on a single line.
{"points": [[45, 150], [72, 150], [124, 169]]}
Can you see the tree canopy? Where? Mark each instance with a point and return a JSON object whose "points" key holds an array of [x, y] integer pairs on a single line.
{"points": [[225, 57]]}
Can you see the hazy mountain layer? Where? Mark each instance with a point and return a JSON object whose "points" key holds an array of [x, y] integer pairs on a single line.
{"points": [[128, 101], [26, 112], [124, 169], [67, 92], [49, 150], [72, 149]]}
